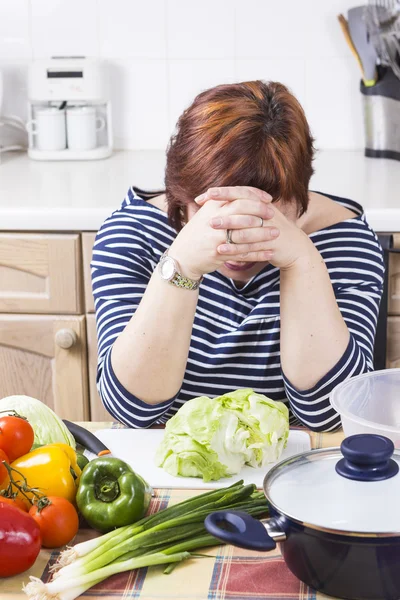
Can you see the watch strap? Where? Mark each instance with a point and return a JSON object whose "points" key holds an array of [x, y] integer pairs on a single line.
{"points": [[184, 282], [180, 280]]}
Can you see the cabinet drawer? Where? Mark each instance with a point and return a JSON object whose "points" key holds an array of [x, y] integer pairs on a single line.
{"points": [[394, 279], [393, 343], [87, 248], [97, 410], [45, 357], [40, 273]]}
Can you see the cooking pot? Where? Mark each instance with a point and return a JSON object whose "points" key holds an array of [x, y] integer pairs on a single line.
{"points": [[336, 512]]}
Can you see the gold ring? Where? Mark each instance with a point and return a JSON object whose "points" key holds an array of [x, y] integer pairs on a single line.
{"points": [[229, 236]]}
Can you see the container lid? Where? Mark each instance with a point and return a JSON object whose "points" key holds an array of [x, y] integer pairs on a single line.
{"points": [[354, 488]]}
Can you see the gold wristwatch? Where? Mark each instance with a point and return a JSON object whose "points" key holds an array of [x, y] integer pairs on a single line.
{"points": [[169, 271]]}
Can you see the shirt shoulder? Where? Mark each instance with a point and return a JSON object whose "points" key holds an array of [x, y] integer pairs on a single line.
{"points": [[139, 222]]}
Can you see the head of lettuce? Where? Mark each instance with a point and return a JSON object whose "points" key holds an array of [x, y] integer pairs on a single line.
{"points": [[215, 437]]}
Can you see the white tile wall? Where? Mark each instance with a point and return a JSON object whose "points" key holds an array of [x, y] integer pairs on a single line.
{"points": [[200, 29], [64, 28], [132, 29], [139, 98], [271, 29], [15, 39], [164, 52]]}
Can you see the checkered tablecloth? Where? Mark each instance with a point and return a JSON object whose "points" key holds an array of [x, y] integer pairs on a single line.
{"points": [[229, 574]]}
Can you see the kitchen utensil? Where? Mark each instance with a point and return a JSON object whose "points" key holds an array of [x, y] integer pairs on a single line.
{"points": [[365, 49], [384, 14], [382, 18], [82, 127], [346, 33], [137, 447], [336, 512], [85, 438], [48, 129], [370, 403], [392, 47]]}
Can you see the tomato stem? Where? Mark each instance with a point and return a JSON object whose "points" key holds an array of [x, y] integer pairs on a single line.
{"points": [[23, 487], [42, 503], [13, 413]]}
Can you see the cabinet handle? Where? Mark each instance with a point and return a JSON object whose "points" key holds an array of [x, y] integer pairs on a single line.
{"points": [[66, 338]]}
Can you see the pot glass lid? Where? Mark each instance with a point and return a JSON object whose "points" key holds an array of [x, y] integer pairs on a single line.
{"points": [[353, 489]]}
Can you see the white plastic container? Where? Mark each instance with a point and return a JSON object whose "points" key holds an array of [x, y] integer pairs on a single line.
{"points": [[370, 403]]}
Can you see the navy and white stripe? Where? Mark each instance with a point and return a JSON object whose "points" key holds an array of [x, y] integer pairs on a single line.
{"points": [[236, 333]]}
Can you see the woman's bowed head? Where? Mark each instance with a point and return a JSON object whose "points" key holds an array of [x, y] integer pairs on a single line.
{"points": [[244, 153]]}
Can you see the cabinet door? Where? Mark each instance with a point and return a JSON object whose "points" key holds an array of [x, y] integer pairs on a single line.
{"points": [[394, 279], [97, 410], [87, 249], [40, 273], [393, 343], [45, 357]]}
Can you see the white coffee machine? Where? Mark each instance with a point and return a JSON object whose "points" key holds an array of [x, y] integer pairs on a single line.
{"points": [[69, 109]]}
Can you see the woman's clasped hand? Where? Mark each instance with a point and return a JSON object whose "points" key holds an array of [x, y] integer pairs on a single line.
{"points": [[238, 224]]}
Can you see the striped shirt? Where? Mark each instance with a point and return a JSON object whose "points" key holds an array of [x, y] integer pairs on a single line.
{"points": [[235, 340]]}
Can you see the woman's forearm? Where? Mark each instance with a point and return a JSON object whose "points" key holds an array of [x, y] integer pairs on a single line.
{"points": [[314, 335], [149, 357]]}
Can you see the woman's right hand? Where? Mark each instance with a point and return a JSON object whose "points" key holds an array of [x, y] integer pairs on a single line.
{"points": [[195, 247]]}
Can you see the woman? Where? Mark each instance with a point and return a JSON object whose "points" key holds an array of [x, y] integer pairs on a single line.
{"points": [[237, 276]]}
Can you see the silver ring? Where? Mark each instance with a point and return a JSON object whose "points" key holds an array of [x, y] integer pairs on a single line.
{"points": [[262, 222], [229, 236]]}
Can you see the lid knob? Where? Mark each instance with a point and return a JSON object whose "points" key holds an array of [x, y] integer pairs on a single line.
{"points": [[367, 457]]}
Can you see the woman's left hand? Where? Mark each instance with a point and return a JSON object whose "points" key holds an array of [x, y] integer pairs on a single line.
{"points": [[254, 243]]}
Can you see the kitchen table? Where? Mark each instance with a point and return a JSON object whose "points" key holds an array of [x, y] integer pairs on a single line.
{"points": [[228, 574]]}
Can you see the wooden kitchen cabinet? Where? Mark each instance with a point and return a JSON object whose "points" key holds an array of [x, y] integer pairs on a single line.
{"points": [[40, 273], [45, 357], [394, 279], [97, 410], [393, 343], [88, 239]]}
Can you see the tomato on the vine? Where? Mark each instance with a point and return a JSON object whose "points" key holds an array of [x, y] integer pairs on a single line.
{"points": [[57, 519], [16, 436], [3, 470], [17, 501]]}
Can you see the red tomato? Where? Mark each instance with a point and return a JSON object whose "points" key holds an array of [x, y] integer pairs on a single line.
{"points": [[16, 436], [17, 501], [3, 470], [58, 521], [20, 540]]}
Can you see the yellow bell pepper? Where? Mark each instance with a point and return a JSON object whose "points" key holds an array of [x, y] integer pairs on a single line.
{"points": [[51, 470]]}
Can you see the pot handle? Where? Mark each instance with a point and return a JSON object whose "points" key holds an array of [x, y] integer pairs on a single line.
{"points": [[240, 529]]}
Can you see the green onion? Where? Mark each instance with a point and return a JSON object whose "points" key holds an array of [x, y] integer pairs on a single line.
{"points": [[53, 590], [166, 537]]}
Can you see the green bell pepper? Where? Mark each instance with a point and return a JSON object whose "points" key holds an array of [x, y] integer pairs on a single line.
{"points": [[81, 460], [111, 494]]}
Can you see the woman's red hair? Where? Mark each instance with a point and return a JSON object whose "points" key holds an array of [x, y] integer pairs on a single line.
{"points": [[252, 133]]}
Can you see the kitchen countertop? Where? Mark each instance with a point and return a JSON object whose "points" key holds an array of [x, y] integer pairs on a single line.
{"points": [[78, 196]]}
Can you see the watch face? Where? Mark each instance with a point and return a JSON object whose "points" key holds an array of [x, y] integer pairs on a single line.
{"points": [[167, 268]]}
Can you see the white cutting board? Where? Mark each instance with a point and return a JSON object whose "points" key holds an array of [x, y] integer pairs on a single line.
{"points": [[137, 447]]}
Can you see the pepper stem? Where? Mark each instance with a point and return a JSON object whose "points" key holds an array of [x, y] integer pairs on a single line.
{"points": [[107, 489]]}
